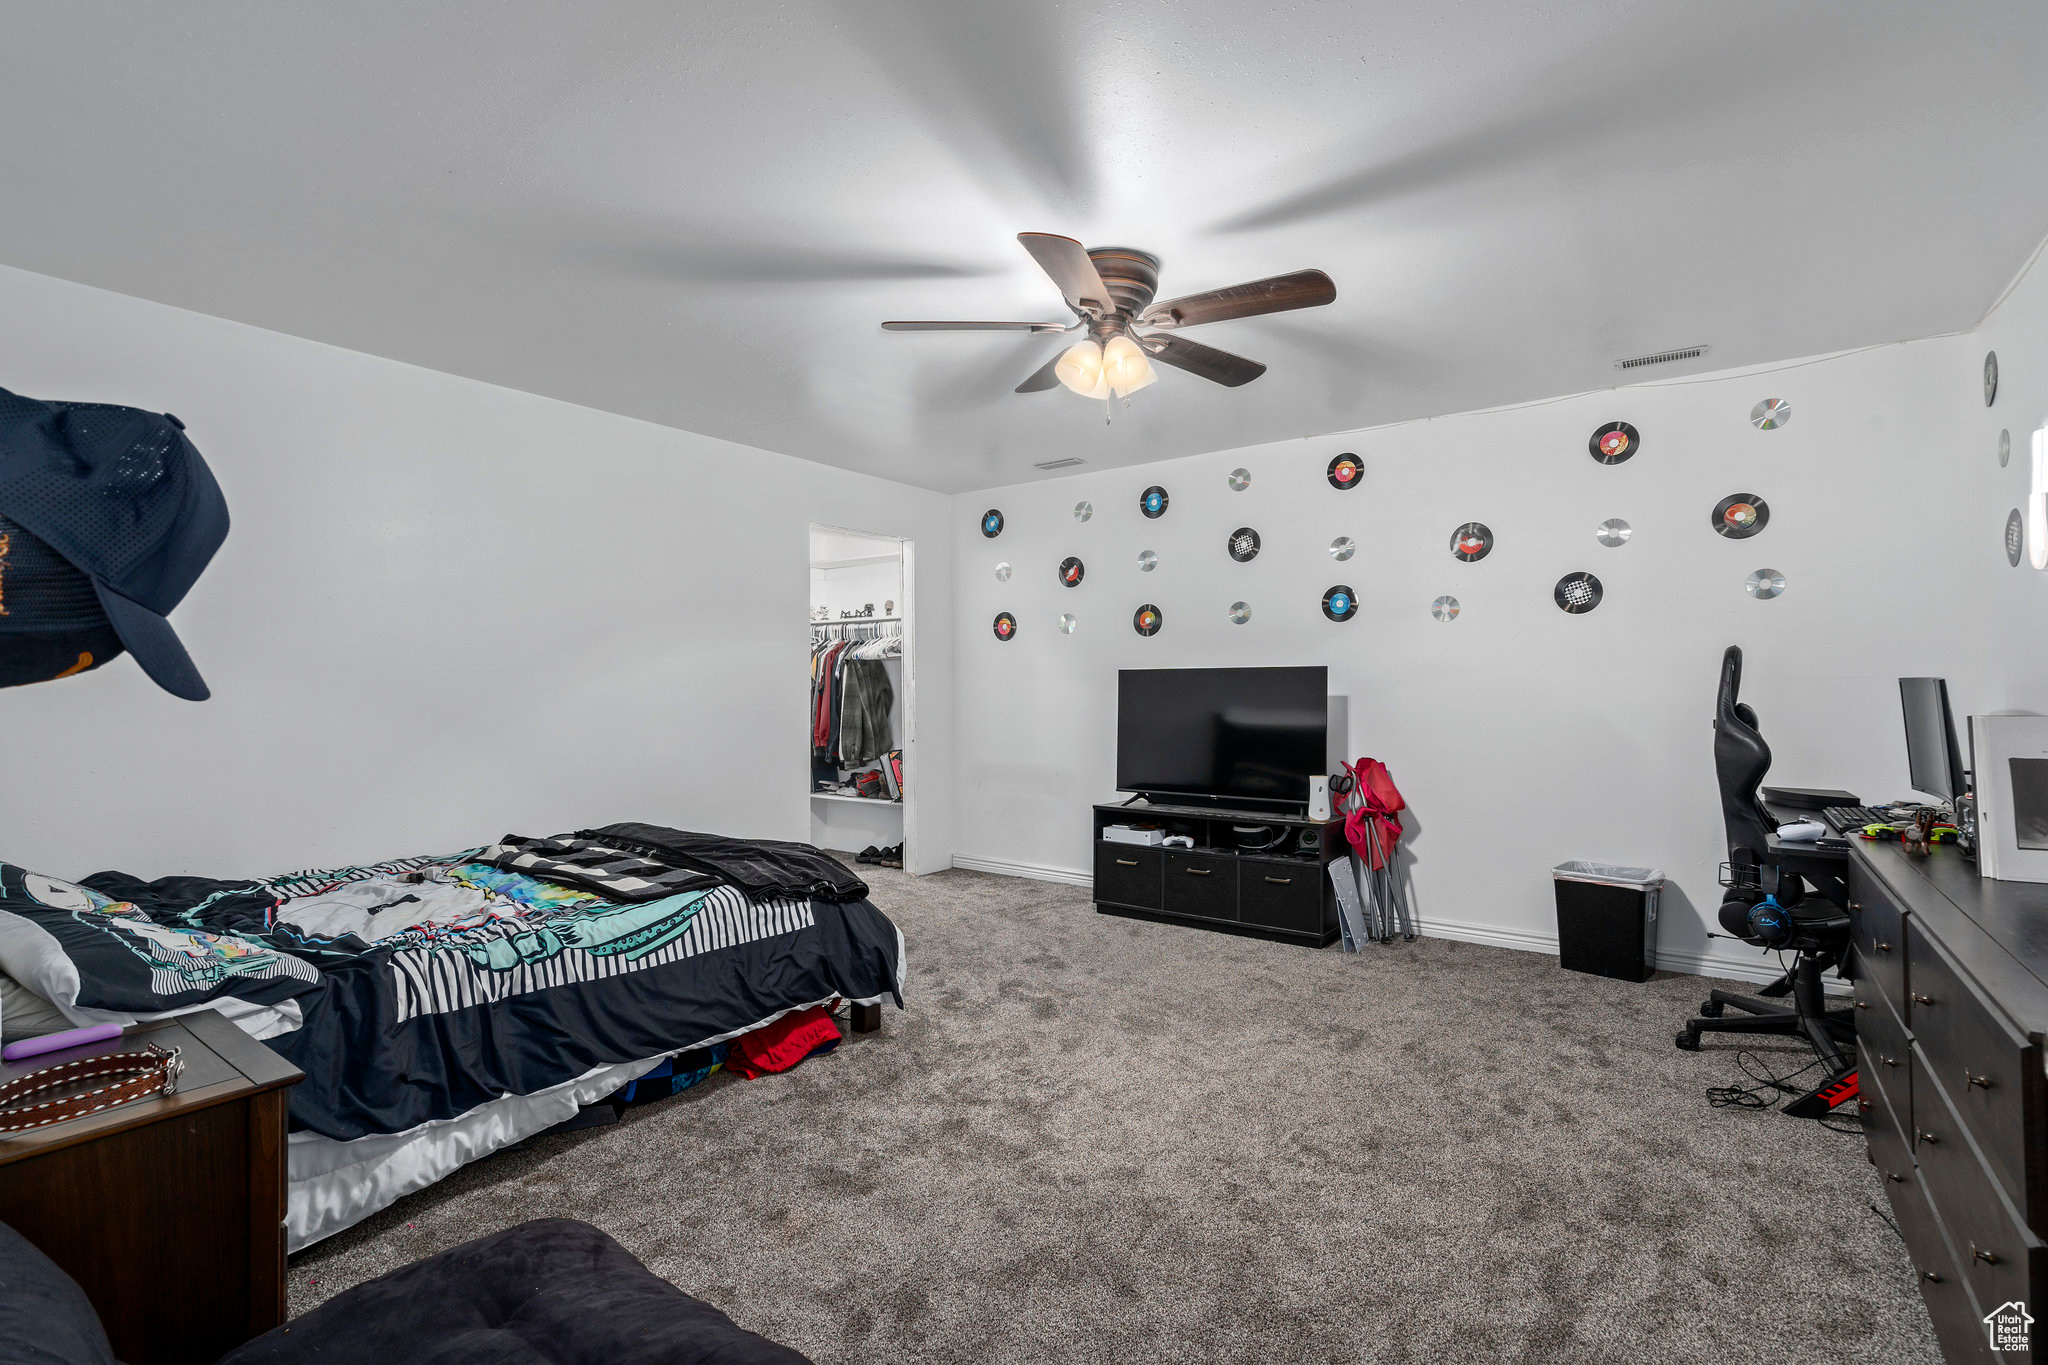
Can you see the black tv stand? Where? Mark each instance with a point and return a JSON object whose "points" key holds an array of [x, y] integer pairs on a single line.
{"points": [[1283, 893]]}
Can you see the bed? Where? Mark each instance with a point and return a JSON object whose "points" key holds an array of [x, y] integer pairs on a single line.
{"points": [[444, 1007]]}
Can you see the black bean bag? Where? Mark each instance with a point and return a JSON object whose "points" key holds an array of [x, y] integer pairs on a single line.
{"points": [[553, 1290]]}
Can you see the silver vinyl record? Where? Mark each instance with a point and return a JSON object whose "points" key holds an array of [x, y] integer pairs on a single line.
{"points": [[1770, 414], [1067, 623], [1240, 612], [1613, 533], [2015, 537], [1765, 584], [1444, 608], [1003, 572], [1148, 560], [1240, 479], [1342, 548], [1083, 511]]}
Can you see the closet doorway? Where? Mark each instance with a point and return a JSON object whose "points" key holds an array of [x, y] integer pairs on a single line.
{"points": [[863, 729]]}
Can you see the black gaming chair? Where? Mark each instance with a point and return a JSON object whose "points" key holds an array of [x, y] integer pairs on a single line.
{"points": [[1766, 905]]}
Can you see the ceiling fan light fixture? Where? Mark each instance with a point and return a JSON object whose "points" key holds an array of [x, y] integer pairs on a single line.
{"points": [[1125, 367], [1081, 369]]}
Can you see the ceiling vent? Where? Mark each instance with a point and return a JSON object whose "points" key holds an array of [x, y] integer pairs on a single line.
{"points": [[1067, 463], [1661, 358]]}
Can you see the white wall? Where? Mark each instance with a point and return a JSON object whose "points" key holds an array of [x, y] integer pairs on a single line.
{"points": [[1521, 736], [2014, 601], [446, 611]]}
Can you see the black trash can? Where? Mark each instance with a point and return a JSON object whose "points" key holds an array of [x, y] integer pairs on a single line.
{"points": [[1607, 919]]}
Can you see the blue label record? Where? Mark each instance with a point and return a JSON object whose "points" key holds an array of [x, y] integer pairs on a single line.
{"points": [[1072, 571], [1340, 603], [1346, 472], [1152, 502], [1146, 620], [1243, 544], [991, 523], [1005, 626]]}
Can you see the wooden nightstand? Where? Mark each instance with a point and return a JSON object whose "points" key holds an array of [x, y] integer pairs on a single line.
{"points": [[169, 1212]]}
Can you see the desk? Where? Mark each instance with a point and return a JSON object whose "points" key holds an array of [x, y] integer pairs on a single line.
{"points": [[1951, 991], [169, 1212]]}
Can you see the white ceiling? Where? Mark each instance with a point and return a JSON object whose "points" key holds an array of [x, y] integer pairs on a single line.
{"points": [[697, 214]]}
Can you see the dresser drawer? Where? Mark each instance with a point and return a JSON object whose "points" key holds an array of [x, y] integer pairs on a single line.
{"points": [[1883, 1039], [1276, 894], [1127, 874], [1885, 1115], [1998, 1258], [1990, 1071], [1203, 884], [1877, 930]]}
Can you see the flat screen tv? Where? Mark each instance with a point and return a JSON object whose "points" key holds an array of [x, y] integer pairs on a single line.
{"points": [[1250, 736]]}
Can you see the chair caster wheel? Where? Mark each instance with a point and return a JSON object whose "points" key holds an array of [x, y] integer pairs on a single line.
{"points": [[1711, 1010], [1688, 1041]]}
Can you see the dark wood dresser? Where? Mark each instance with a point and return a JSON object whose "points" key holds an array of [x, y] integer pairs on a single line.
{"points": [[169, 1212], [1951, 1016]]}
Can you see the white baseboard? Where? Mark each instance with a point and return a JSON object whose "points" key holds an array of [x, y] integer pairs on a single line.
{"points": [[1038, 872], [1735, 966]]}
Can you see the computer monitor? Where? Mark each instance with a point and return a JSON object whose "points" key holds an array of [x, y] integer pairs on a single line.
{"points": [[1933, 759]]}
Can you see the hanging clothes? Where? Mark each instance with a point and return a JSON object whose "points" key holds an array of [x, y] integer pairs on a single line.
{"points": [[851, 694], [864, 734]]}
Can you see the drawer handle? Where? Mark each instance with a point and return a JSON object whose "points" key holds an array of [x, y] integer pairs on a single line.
{"points": [[1932, 1277], [1978, 1254], [1889, 1061], [1928, 1139], [1281, 881], [1126, 862], [1895, 1177], [1862, 1004], [1920, 999], [1971, 1078], [1199, 871], [1882, 946], [1855, 905]]}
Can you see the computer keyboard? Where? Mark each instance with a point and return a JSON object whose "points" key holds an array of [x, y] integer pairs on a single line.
{"points": [[1842, 819]]}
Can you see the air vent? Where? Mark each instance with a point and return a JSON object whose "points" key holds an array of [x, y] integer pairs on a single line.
{"points": [[1661, 358], [1067, 463]]}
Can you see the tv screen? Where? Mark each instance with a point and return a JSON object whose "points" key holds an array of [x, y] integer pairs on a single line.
{"points": [[1235, 734]]}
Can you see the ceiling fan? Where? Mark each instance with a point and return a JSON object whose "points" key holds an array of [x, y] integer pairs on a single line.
{"points": [[1110, 289]]}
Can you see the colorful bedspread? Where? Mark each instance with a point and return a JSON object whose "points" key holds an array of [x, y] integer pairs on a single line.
{"points": [[428, 986]]}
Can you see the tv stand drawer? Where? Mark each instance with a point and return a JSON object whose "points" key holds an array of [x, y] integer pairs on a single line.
{"points": [[1127, 874], [1201, 884], [1281, 894]]}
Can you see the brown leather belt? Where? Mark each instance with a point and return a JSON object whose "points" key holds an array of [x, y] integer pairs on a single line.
{"points": [[152, 1072]]}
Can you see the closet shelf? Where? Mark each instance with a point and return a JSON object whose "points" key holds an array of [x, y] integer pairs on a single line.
{"points": [[863, 800]]}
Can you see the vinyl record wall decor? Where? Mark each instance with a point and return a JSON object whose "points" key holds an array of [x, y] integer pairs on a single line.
{"points": [[1004, 626], [1340, 603], [1740, 515], [1152, 502], [1444, 608], [1764, 584], [1613, 443], [1148, 560], [1770, 414], [1613, 533], [1072, 571], [1577, 593], [1240, 479], [2015, 537], [1243, 545], [1342, 548], [1990, 378], [1083, 511], [992, 523], [1472, 542], [1345, 472], [1146, 620], [1003, 572]]}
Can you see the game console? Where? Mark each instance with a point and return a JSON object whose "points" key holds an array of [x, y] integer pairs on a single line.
{"points": [[1133, 834]]}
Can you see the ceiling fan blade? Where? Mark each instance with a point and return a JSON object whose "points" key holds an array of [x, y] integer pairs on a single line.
{"points": [[1042, 378], [1066, 260], [976, 327], [1279, 294], [1219, 366]]}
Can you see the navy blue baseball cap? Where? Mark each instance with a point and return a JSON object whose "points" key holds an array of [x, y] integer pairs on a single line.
{"points": [[108, 516]]}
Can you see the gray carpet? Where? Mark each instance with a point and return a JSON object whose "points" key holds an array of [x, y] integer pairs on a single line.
{"points": [[1094, 1139]]}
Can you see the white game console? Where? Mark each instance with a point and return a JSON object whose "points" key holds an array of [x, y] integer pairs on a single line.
{"points": [[1126, 834]]}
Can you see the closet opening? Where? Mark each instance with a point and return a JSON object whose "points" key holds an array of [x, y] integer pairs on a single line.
{"points": [[862, 781]]}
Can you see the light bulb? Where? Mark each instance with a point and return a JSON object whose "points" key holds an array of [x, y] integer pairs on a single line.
{"points": [[1125, 367], [1080, 368]]}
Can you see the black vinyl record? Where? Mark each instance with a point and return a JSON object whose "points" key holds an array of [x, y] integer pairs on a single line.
{"points": [[1990, 378], [1005, 626], [1152, 502], [1472, 541], [1613, 443], [1741, 515], [1146, 620], [1340, 603], [2015, 537], [1577, 593], [1243, 544], [991, 523], [1072, 571], [1346, 472]]}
